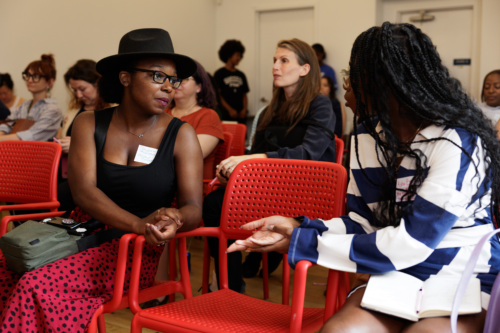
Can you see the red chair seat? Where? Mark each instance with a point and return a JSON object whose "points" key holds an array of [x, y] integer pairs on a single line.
{"points": [[229, 311]]}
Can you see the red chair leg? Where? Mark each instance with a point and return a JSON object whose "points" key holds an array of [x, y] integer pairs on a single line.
{"points": [[101, 324], [265, 275], [172, 265], [285, 296], [206, 267], [94, 322]]}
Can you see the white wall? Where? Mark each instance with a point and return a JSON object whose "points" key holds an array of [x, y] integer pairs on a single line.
{"points": [[72, 30], [489, 52]]}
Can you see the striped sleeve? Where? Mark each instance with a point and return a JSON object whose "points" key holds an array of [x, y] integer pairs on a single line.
{"points": [[447, 200]]}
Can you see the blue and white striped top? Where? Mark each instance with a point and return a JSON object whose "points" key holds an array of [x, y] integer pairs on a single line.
{"points": [[436, 236]]}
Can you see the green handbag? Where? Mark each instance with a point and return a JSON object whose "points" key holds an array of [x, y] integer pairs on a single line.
{"points": [[34, 244]]}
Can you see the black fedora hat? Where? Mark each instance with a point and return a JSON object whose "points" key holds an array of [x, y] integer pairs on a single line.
{"points": [[140, 43]]}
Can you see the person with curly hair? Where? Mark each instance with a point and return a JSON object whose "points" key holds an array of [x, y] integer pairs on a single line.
{"points": [[232, 83], [423, 186]]}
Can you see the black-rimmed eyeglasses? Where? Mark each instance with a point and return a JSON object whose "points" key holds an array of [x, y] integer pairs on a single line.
{"points": [[34, 77], [160, 77]]}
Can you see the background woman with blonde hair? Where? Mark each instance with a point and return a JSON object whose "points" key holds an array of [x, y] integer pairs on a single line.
{"points": [[297, 124]]}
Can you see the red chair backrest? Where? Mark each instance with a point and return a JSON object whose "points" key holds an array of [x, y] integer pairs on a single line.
{"points": [[239, 132], [223, 150], [264, 187], [28, 171], [339, 148]]}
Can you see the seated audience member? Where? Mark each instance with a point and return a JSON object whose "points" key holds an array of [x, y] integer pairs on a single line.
{"points": [[43, 110], [4, 110], [82, 80], [490, 97], [326, 70], [117, 184], [232, 83], [7, 93], [193, 103], [297, 124], [423, 187], [328, 90]]}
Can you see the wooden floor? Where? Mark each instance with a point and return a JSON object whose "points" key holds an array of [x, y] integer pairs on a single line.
{"points": [[119, 321]]}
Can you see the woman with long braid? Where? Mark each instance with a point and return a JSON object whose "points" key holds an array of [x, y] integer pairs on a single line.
{"points": [[423, 186]]}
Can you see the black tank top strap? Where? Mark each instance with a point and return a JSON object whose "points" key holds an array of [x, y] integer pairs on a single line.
{"points": [[102, 121]]}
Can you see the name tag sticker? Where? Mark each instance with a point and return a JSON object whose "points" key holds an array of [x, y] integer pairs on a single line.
{"points": [[145, 154]]}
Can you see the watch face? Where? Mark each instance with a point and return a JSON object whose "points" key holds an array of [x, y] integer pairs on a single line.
{"points": [[68, 221]]}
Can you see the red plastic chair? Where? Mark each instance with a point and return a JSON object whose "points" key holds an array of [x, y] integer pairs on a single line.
{"points": [[120, 299], [239, 132], [339, 148], [258, 188], [28, 175], [222, 152]]}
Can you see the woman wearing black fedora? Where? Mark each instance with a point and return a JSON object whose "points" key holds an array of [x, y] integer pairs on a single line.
{"points": [[126, 164]]}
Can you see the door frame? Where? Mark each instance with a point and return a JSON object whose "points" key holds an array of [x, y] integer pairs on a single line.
{"points": [[273, 7], [395, 9]]}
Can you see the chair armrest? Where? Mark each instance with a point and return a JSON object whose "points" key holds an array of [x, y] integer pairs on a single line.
{"points": [[32, 206], [336, 292], [298, 296], [201, 231], [133, 293], [210, 185], [121, 267], [24, 217], [183, 285]]}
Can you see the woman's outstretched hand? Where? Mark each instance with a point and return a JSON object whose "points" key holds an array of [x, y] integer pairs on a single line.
{"points": [[273, 235]]}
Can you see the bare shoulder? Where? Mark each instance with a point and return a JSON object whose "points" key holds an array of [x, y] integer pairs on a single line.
{"points": [[85, 119], [187, 129], [83, 127], [186, 141]]}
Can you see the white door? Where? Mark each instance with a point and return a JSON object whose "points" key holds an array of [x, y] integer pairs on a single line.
{"points": [[450, 29], [273, 26]]}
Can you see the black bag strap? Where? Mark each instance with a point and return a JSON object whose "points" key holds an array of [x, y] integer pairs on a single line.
{"points": [[98, 238], [102, 121]]}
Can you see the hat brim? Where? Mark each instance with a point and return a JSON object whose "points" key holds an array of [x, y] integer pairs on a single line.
{"points": [[185, 66]]}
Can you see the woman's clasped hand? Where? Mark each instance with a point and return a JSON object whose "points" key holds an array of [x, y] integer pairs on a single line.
{"points": [[162, 225]]}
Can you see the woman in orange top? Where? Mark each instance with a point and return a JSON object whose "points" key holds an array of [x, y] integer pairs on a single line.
{"points": [[194, 102]]}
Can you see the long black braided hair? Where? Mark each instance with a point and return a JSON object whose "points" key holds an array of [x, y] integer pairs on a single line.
{"points": [[399, 60]]}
